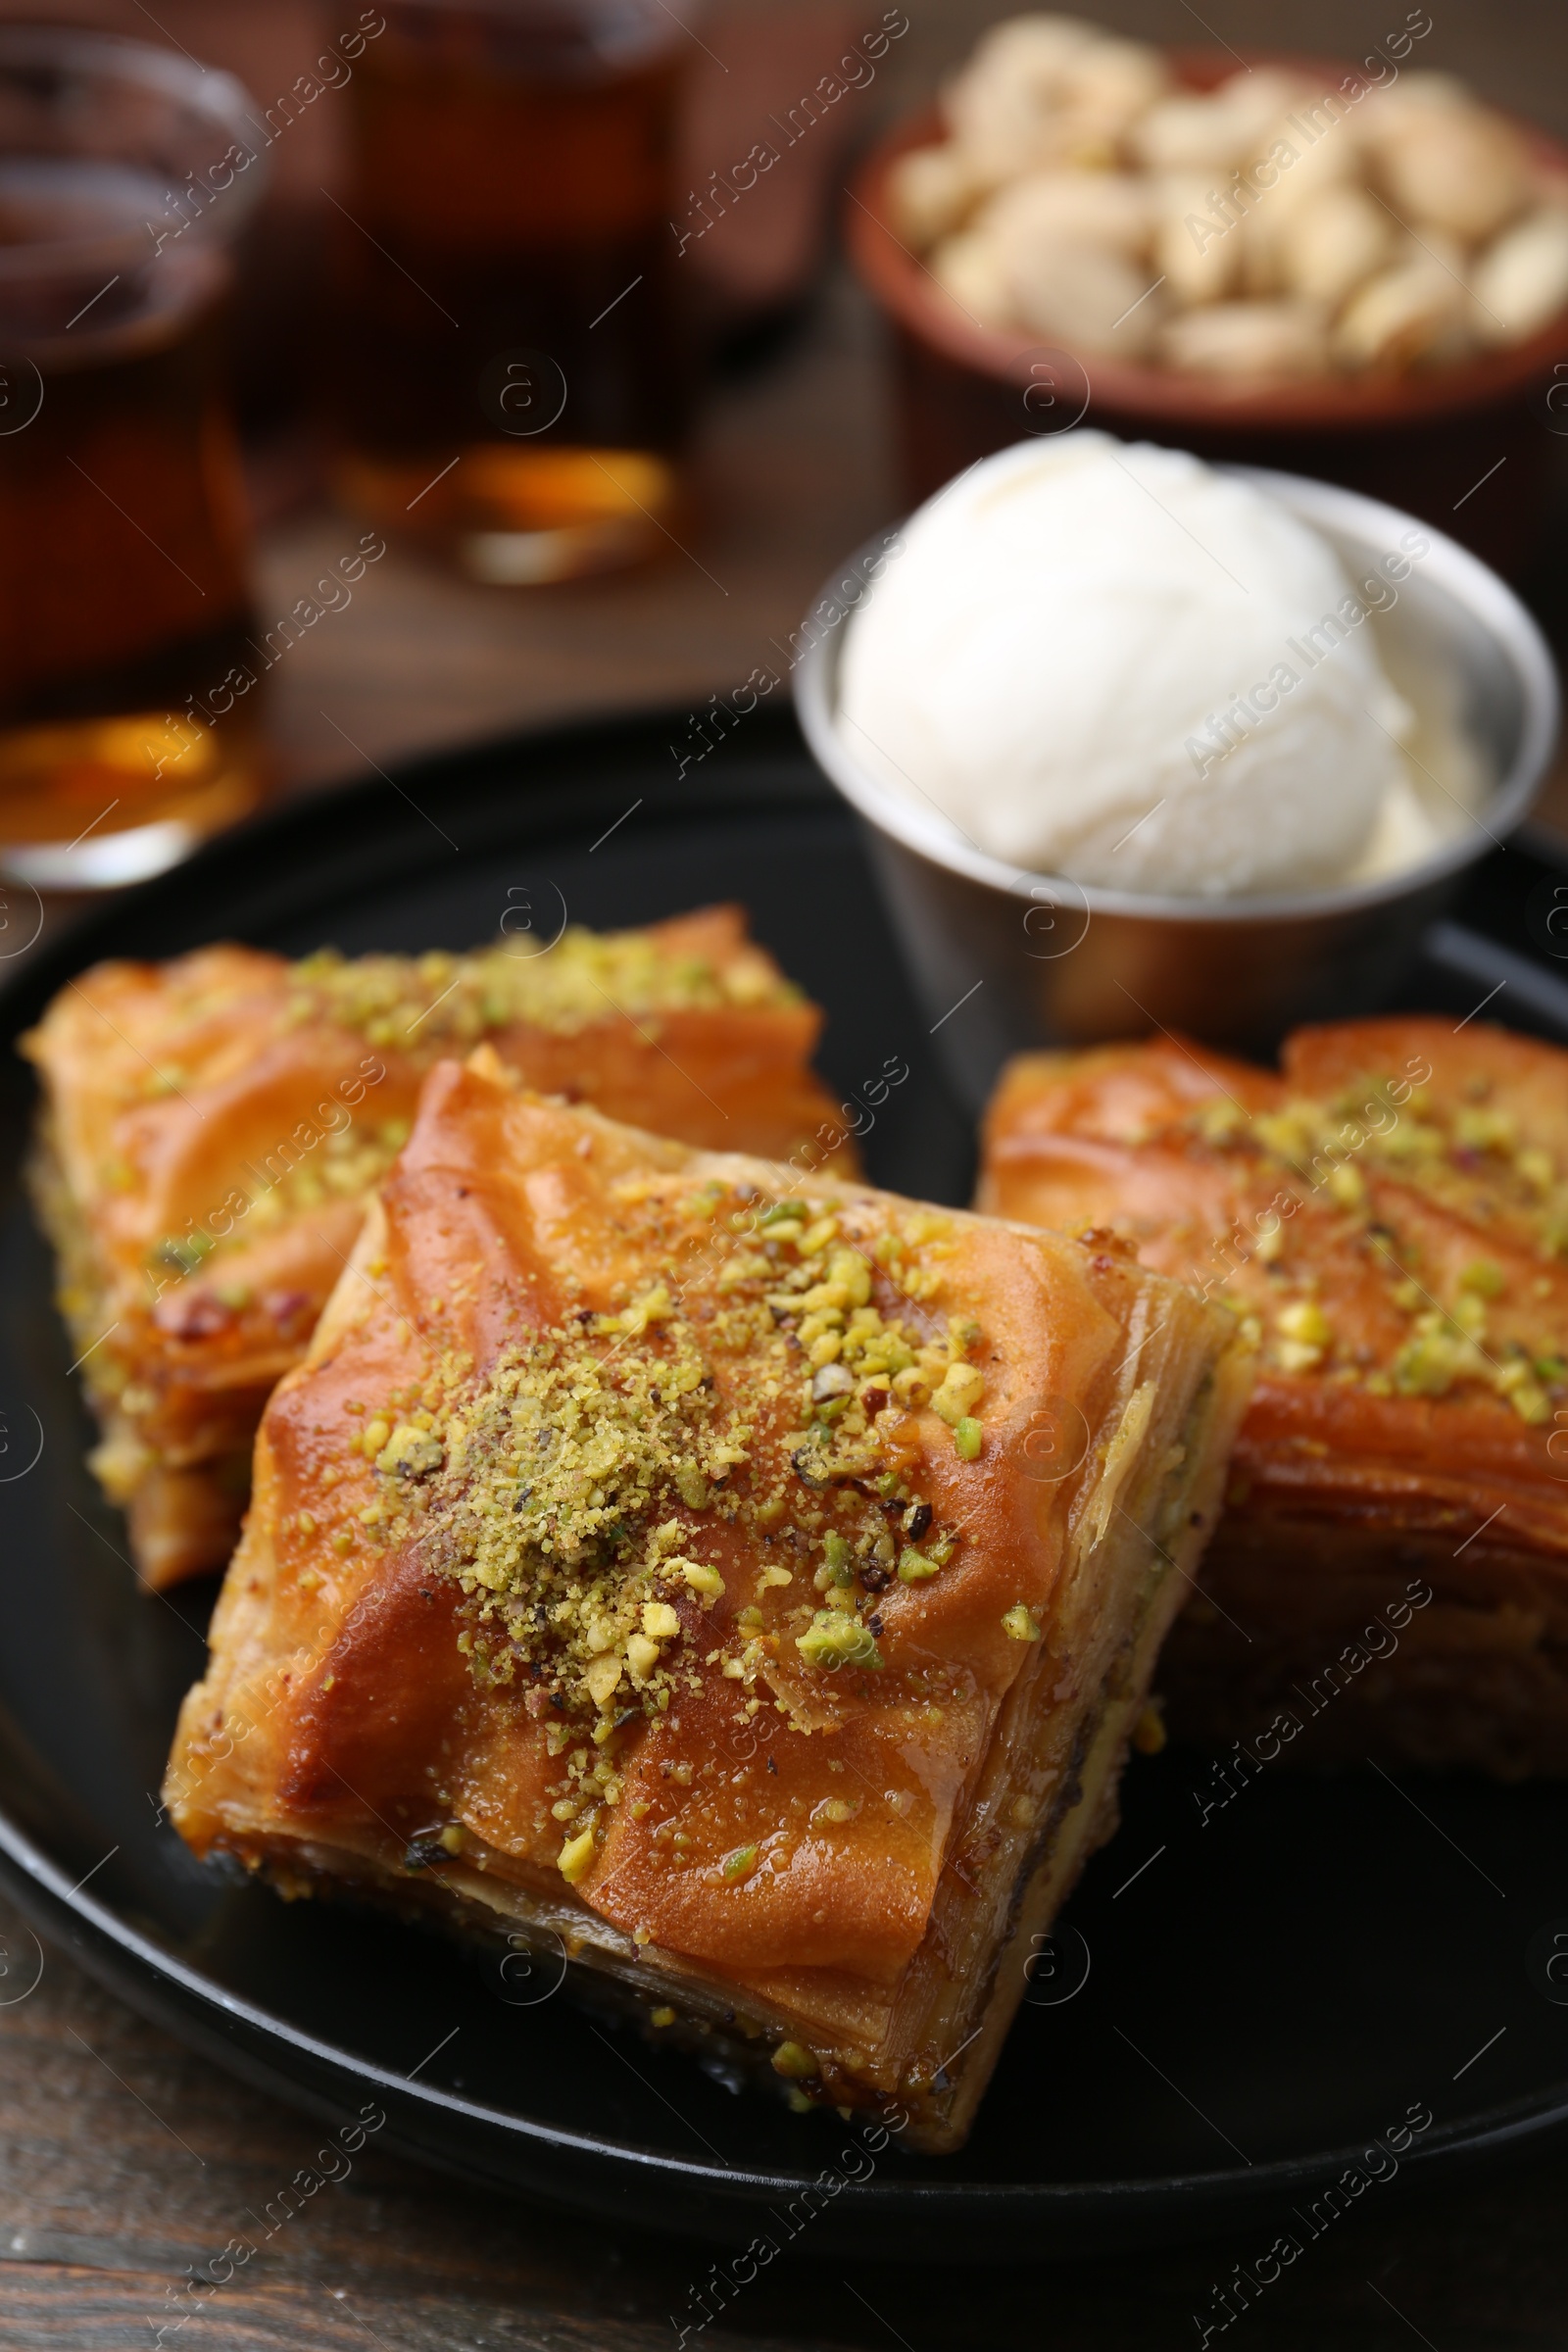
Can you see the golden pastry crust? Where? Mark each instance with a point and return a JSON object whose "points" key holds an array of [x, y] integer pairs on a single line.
{"points": [[214, 1125], [1390, 1214], [650, 1548]]}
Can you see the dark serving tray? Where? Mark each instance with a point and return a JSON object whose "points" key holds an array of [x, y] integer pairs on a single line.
{"points": [[1270, 1991]]}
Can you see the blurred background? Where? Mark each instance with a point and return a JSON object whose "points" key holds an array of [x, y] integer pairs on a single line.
{"points": [[393, 576]]}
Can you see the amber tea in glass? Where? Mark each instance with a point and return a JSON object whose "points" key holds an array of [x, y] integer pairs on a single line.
{"points": [[510, 368], [122, 533]]}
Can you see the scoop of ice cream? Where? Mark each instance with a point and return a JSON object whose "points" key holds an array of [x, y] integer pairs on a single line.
{"points": [[1114, 663]]}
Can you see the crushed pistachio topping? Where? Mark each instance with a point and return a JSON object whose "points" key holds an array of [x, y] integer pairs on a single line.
{"points": [[835, 1639], [582, 1490], [960, 1387], [1469, 1162], [346, 1165], [343, 1165], [794, 2062], [576, 1855], [575, 1454], [425, 1004]]}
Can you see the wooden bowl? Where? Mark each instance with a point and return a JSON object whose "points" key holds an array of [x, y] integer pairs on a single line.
{"points": [[1467, 446]]}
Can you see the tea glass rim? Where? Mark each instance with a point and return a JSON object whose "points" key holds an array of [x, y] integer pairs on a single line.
{"points": [[202, 90], [659, 37]]}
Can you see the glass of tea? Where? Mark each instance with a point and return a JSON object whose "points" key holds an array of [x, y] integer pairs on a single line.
{"points": [[511, 371], [125, 174]]}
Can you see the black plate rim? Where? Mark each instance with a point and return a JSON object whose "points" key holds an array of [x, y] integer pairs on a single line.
{"points": [[1497, 2129]]}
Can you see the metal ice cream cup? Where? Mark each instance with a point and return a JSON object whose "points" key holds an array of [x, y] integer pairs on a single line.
{"points": [[1004, 959]]}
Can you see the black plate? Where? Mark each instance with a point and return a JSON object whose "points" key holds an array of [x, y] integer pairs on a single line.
{"points": [[1268, 1990]]}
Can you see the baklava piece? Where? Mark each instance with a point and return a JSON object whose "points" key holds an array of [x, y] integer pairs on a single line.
{"points": [[1389, 1218], [745, 1584], [213, 1126]]}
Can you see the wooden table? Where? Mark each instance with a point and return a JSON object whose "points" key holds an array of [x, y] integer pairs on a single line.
{"points": [[123, 2158]]}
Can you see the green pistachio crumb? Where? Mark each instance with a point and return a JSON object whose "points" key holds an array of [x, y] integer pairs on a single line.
{"points": [[794, 2060], [833, 1640]]}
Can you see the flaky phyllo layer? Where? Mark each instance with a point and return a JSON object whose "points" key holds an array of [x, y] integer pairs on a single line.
{"points": [[215, 1126], [654, 1550]]}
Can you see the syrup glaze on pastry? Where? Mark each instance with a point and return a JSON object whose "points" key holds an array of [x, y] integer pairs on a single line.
{"points": [[214, 1125], [653, 1551], [1388, 1217]]}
